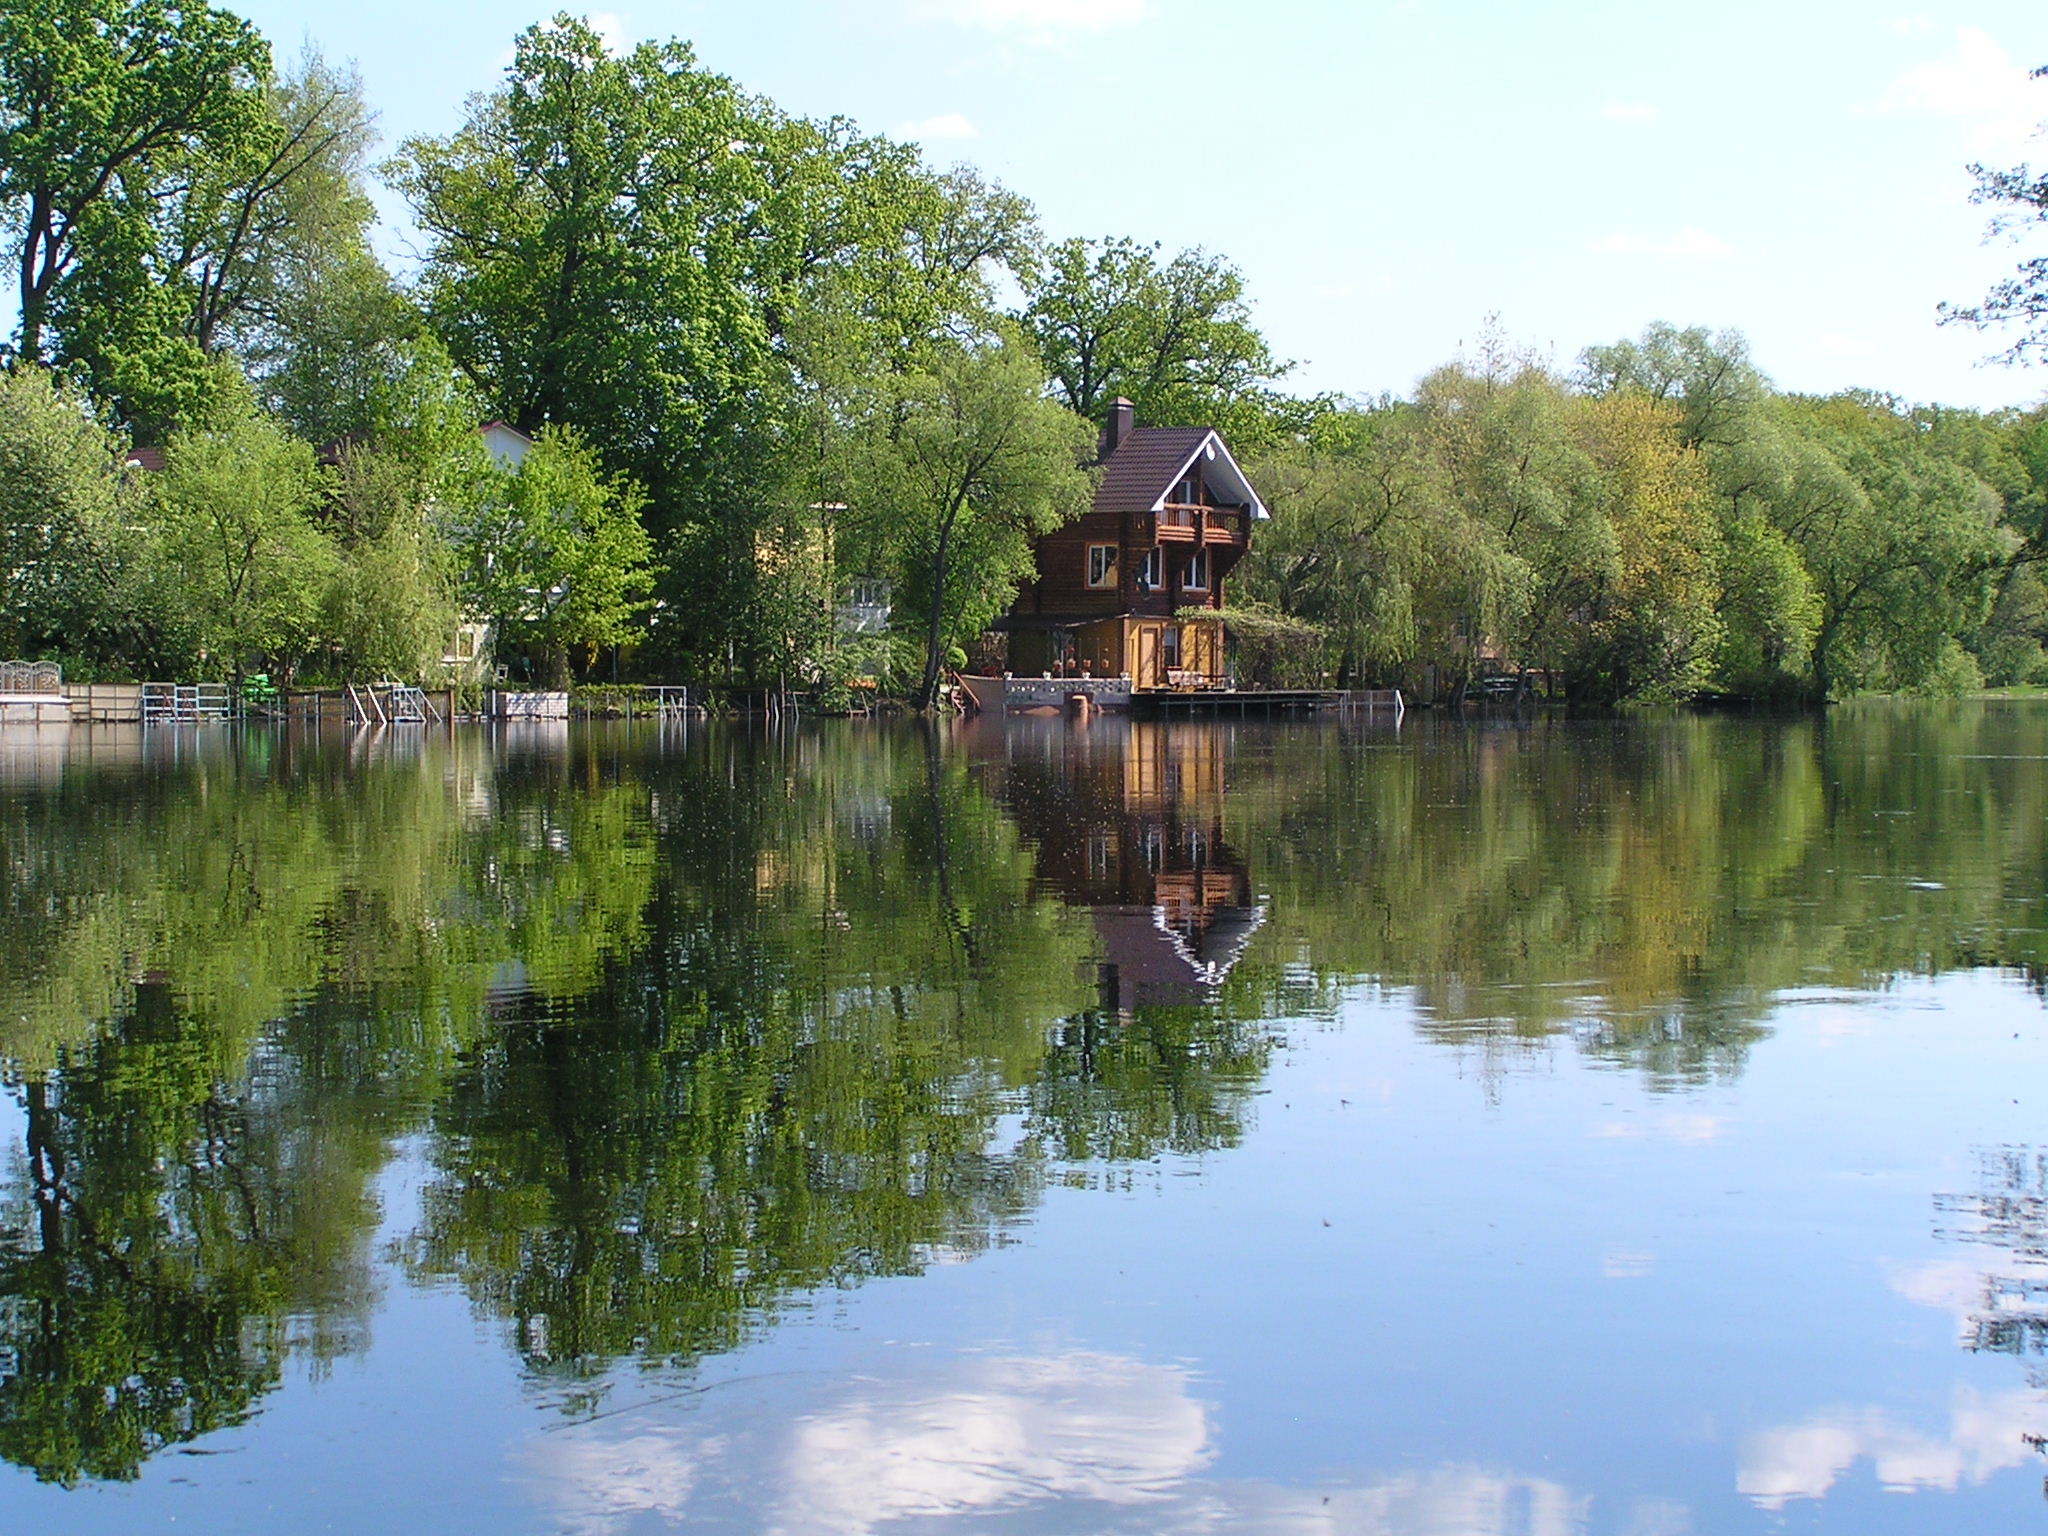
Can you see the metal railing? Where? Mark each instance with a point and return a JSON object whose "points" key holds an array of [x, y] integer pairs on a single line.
{"points": [[186, 703], [31, 677]]}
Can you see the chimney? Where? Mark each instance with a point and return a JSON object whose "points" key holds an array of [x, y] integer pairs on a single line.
{"points": [[1119, 428]]}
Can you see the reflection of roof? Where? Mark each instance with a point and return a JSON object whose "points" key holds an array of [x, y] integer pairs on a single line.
{"points": [[1148, 960], [1221, 944]]}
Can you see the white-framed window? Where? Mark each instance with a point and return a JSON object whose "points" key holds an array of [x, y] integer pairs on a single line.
{"points": [[1101, 565], [1196, 577], [1152, 573]]}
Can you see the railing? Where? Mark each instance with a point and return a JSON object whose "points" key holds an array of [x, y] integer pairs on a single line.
{"points": [[21, 677], [186, 703], [1180, 520]]}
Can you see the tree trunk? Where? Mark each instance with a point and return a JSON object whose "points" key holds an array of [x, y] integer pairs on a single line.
{"points": [[928, 693], [555, 668], [46, 1167]]}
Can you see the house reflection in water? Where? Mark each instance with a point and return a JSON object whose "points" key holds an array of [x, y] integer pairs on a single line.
{"points": [[1126, 817]]}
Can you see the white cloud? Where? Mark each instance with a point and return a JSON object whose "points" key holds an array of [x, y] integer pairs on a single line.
{"points": [[977, 1437], [1040, 16], [1094, 1427], [947, 126], [1686, 1130], [1803, 1461], [1687, 244], [1099, 1442], [1629, 112], [1979, 86], [1947, 1285], [610, 26]]}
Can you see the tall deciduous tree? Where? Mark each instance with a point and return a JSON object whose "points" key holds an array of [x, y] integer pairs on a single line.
{"points": [[68, 556], [955, 468], [602, 235], [107, 106], [555, 554], [1900, 544], [237, 498], [1174, 337]]}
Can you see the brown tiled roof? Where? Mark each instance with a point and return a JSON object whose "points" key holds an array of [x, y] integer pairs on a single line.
{"points": [[146, 458], [1144, 466]]}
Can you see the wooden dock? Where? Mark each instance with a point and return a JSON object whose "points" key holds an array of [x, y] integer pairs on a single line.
{"points": [[1229, 704], [1256, 703]]}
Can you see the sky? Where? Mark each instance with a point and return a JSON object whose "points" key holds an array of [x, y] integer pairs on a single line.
{"points": [[1388, 176]]}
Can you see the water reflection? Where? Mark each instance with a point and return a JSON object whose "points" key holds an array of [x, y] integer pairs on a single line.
{"points": [[1064, 1441], [1126, 820], [684, 1028]]}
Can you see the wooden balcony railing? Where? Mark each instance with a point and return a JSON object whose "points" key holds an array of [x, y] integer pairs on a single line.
{"points": [[1181, 524]]}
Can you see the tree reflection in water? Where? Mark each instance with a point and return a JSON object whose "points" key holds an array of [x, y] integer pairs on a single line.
{"points": [[690, 1024]]}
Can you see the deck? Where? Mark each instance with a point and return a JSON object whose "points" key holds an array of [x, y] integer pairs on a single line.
{"points": [[1227, 703]]}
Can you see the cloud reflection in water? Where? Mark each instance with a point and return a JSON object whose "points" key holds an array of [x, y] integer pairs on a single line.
{"points": [[1035, 1440]]}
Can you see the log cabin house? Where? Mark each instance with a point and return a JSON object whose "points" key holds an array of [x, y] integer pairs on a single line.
{"points": [[1172, 515]]}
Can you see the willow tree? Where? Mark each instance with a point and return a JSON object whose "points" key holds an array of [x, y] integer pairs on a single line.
{"points": [[955, 468], [235, 502]]}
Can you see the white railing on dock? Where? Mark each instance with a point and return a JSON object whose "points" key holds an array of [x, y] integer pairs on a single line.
{"points": [[186, 703], [1373, 701]]}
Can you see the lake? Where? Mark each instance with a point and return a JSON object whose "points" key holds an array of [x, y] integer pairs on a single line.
{"points": [[1629, 1127]]}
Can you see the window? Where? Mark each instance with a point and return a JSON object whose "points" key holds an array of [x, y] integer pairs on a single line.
{"points": [[1152, 573], [1169, 647], [1196, 578], [1101, 565]]}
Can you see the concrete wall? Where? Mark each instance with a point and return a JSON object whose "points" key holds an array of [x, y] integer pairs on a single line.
{"points": [[527, 706]]}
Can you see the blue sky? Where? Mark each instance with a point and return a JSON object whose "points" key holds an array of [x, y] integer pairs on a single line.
{"points": [[1389, 174]]}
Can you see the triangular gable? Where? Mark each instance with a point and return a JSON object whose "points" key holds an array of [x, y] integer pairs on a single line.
{"points": [[1212, 454]]}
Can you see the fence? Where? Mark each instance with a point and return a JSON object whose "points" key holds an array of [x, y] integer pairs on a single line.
{"points": [[186, 703], [31, 677]]}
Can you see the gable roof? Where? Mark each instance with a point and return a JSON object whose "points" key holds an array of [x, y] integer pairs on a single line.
{"points": [[1151, 461]]}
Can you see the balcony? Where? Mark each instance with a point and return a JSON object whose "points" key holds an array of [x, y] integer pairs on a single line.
{"points": [[1179, 523]]}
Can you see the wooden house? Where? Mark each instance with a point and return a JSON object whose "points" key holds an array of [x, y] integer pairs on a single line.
{"points": [[1114, 589]]}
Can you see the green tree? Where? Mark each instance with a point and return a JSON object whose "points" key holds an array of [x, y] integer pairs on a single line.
{"points": [[954, 470], [1708, 376], [555, 554], [601, 236], [1175, 338], [1900, 544], [236, 500], [277, 252], [69, 559], [107, 107]]}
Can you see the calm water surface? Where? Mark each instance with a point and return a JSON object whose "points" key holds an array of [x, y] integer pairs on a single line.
{"points": [[1467, 1130]]}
